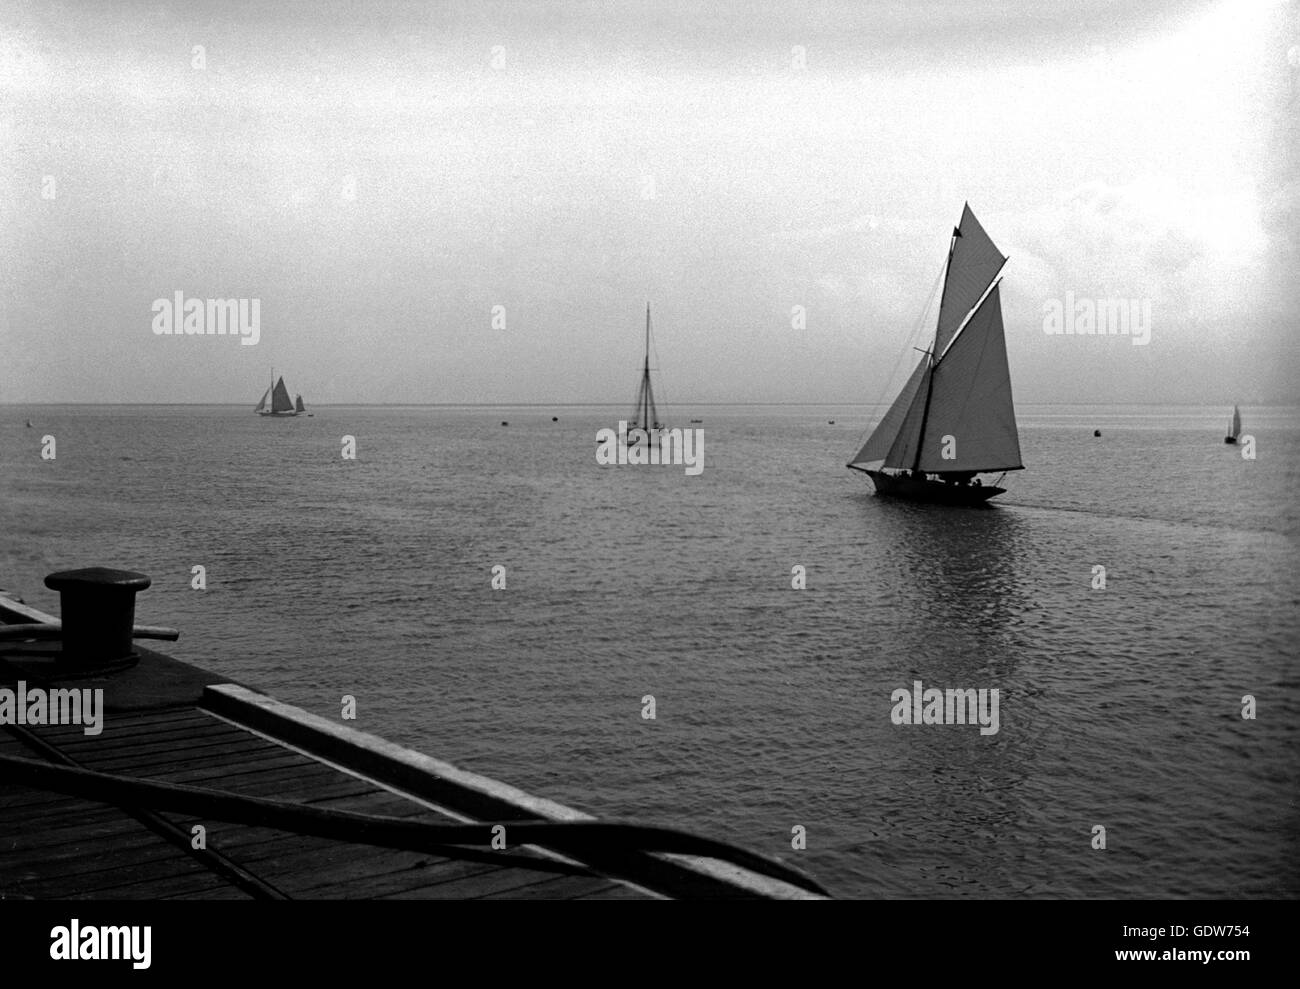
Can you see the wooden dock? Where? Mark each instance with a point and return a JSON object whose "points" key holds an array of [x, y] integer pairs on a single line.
{"points": [[196, 788]]}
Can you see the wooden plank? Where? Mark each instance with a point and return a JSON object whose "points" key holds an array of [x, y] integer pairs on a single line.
{"points": [[259, 851], [125, 721], [272, 758], [183, 761], [468, 887], [555, 888], [617, 891], [295, 783], [282, 863], [240, 841], [87, 855], [160, 754], [198, 883], [196, 773], [191, 719], [228, 893], [69, 831], [387, 803], [301, 792], [19, 798], [184, 735], [63, 886], [360, 883], [47, 816]]}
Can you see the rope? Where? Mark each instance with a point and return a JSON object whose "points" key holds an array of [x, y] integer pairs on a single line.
{"points": [[575, 837], [890, 385]]}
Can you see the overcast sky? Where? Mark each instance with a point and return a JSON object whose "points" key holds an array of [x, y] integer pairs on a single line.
{"points": [[381, 175]]}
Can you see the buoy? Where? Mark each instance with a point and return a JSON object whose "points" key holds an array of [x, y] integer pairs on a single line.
{"points": [[1096, 432], [504, 423], [830, 422], [555, 418]]}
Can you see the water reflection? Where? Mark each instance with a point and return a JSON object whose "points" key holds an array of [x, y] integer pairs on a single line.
{"points": [[960, 588]]}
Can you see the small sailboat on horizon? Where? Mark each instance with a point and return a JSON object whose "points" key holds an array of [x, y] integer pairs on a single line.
{"points": [[954, 417], [281, 405], [1234, 427], [645, 415]]}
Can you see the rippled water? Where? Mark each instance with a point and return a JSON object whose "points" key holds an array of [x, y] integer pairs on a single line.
{"points": [[1118, 707]]}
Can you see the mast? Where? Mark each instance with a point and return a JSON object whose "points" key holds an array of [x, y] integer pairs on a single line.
{"points": [[929, 376], [645, 418]]}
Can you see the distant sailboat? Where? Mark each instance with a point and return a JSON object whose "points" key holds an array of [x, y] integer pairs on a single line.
{"points": [[281, 405], [1234, 427], [954, 418], [645, 416]]}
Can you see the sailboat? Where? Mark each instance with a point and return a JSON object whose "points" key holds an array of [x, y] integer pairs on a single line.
{"points": [[645, 416], [281, 405], [954, 417], [1234, 427]]}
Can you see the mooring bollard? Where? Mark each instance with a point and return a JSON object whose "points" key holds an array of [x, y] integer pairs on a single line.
{"points": [[98, 614]]}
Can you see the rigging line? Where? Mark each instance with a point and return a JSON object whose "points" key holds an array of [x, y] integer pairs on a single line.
{"points": [[663, 395], [912, 338]]}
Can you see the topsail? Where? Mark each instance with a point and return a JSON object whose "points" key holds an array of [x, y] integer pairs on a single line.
{"points": [[973, 264]]}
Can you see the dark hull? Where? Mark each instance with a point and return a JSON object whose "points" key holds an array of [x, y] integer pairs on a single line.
{"points": [[1230, 439], [281, 415], [895, 486]]}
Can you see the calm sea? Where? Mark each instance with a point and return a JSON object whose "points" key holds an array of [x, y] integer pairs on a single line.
{"points": [[1119, 707]]}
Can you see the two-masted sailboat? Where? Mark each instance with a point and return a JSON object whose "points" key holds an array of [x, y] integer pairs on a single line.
{"points": [[1234, 427], [281, 405], [954, 418]]}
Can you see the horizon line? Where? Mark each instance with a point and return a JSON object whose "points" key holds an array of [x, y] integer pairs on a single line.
{"points": [[561, 404]]}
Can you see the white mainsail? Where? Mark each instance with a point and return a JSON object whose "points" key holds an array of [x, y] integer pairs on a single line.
{"points": [[970, 400], [958, 399]]}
